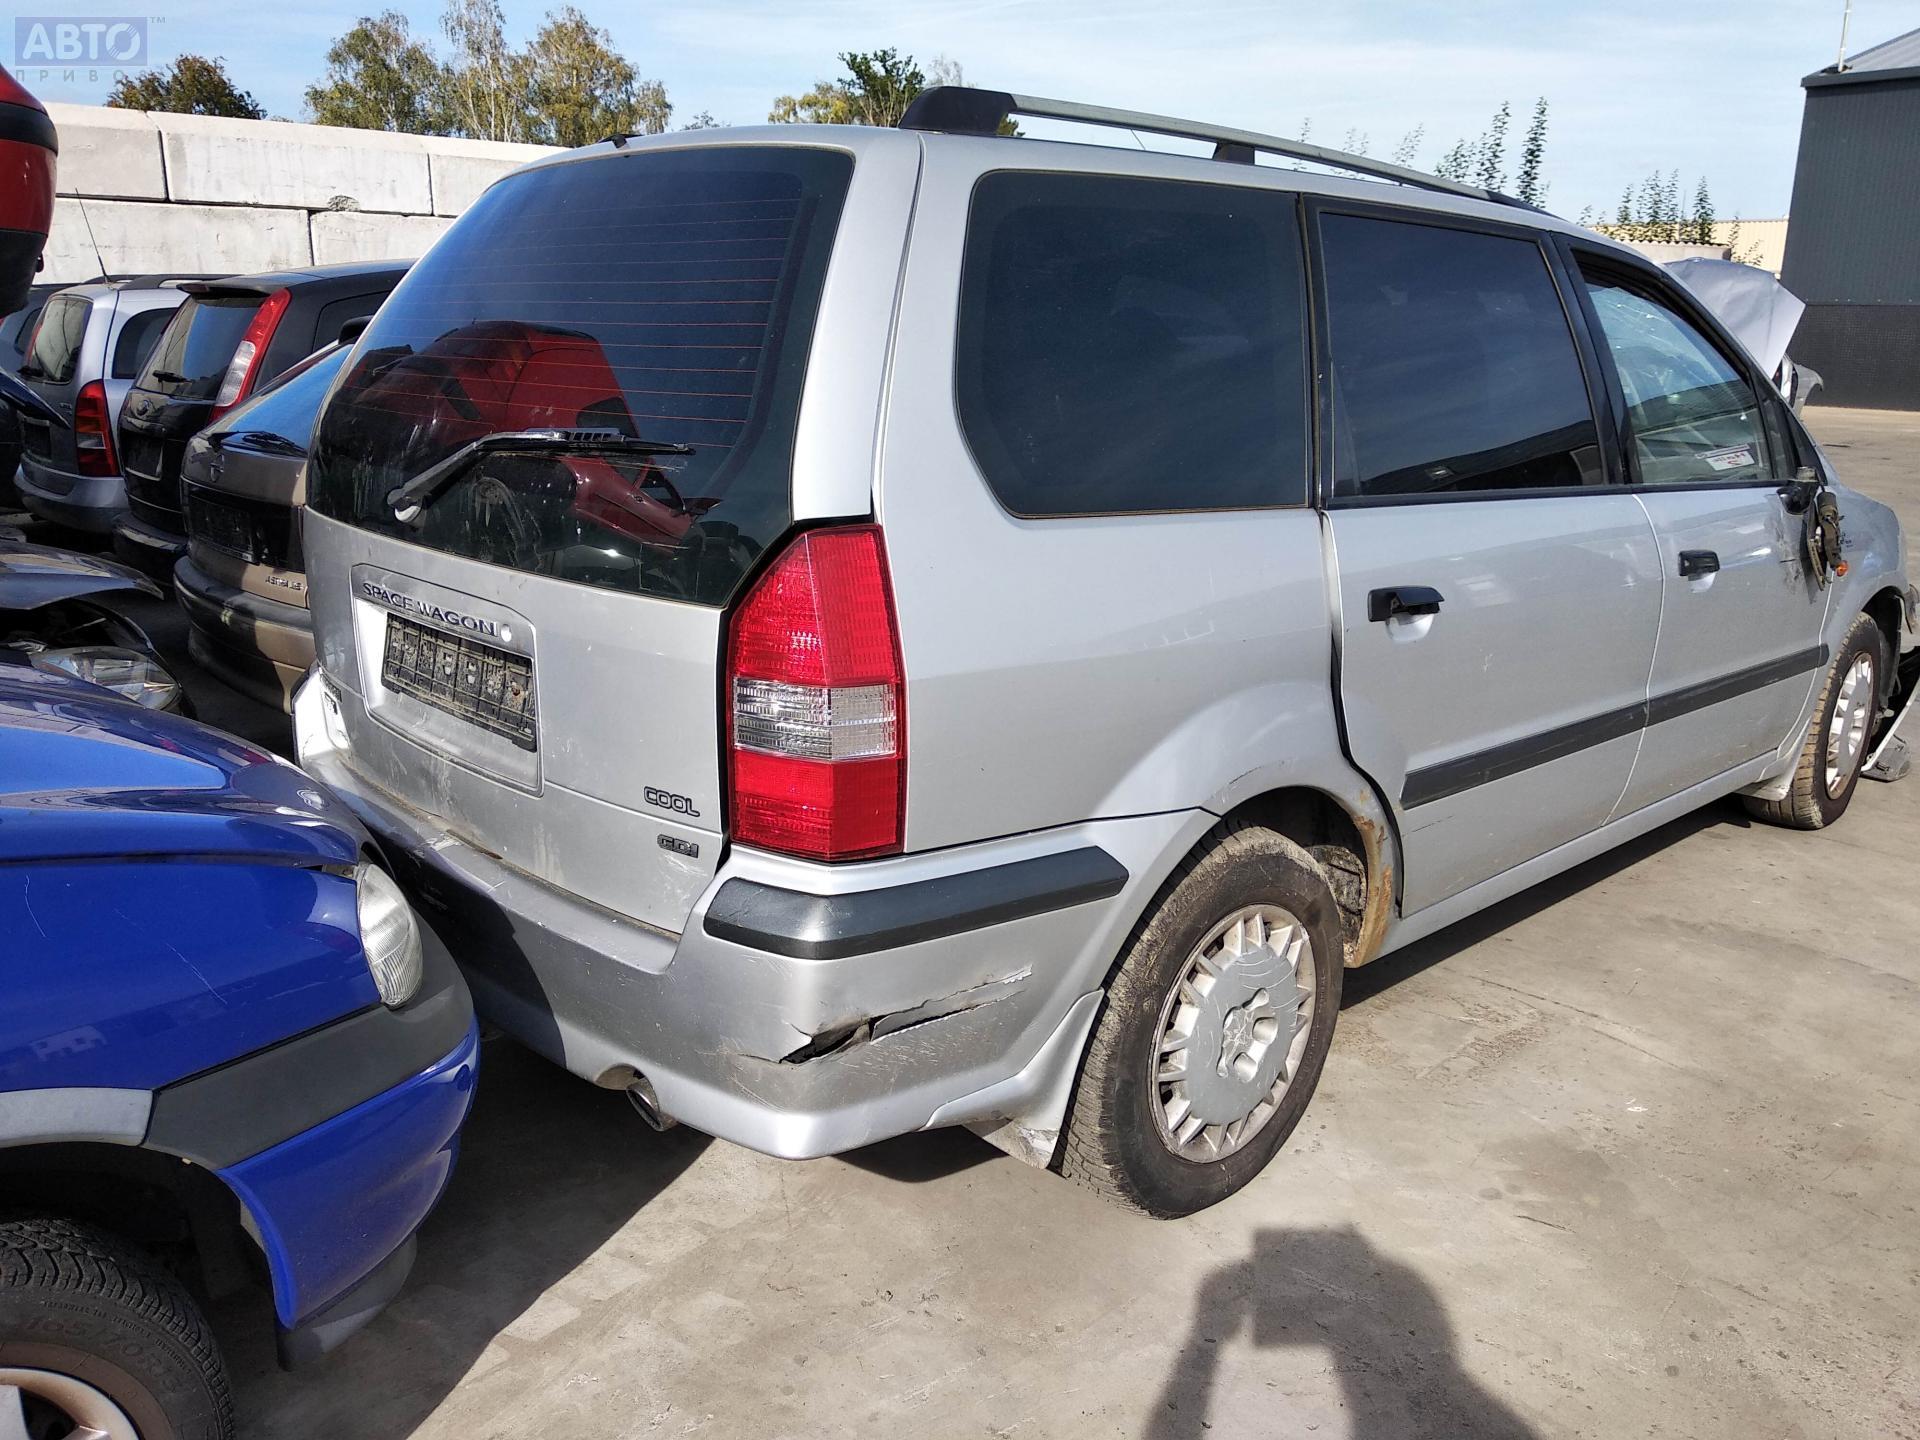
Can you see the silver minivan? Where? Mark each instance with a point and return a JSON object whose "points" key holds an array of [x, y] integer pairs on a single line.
{"points": [[850, 631], [88, 345]]}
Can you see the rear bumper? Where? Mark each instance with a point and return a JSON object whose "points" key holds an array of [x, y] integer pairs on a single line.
{"points": [[80, 502], [260, 647], [146, 547], [805, 1009]]}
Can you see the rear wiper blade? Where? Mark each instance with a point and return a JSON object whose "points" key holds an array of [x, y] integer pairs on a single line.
{"points": [[171, 377], [408, 501], [265, 440]]}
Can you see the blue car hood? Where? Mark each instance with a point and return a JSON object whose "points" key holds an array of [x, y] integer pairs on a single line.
{"points": [[85, 774]]}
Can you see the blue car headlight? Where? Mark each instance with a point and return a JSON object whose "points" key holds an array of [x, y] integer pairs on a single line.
{"points": [[388, 934], [138, 677]]}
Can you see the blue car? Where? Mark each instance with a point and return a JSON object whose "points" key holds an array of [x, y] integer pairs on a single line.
{"points": [[229, 1051]]}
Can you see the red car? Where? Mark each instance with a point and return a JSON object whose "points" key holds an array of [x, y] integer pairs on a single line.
{"points": [[27, 150]]}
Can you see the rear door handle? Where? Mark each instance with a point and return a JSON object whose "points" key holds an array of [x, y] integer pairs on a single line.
{"points": [[1698, 562], [1402, 600]]}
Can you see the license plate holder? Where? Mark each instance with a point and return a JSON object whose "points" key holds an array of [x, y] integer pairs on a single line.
{"points": [[463, 677]]}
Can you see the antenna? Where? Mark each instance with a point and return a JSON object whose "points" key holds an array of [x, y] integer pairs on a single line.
{"points": [[98, 258], [1845, 16]]}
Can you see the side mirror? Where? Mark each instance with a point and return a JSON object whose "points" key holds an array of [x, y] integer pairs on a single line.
{"points": [[352, 330]]}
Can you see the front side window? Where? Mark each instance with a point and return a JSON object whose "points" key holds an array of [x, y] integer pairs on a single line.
{"points": [[1453, 364], [1693, 417], [1130, 345]]}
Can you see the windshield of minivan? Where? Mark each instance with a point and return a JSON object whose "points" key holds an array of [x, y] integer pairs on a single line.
{"points": [[288, 407], [669, 297], [56, 342], [195, 348]]}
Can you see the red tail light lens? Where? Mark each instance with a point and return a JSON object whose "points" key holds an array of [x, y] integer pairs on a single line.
{"points": [[93, 431], [817, 705], [244, 368]]}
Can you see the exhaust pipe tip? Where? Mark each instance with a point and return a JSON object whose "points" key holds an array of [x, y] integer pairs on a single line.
{"points": [[640, 1095]]}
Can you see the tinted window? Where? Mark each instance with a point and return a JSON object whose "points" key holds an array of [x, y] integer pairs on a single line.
{"points": [[1453, 364], [17, 330], [136, 338], [667, 296], [1692, 415], [1132, 345], [56, 341], [195, 348], [288, 407]]}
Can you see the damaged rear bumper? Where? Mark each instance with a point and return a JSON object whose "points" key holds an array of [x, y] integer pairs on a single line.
{"points": [[808, 1009]]}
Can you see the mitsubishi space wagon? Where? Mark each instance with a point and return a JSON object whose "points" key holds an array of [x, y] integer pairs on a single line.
{"points": [[849, 631]]}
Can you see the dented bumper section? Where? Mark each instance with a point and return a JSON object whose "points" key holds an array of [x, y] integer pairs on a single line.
{"points": [[805, 1009]]}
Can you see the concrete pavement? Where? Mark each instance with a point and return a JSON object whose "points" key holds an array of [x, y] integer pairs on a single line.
{"points": [[1635, 1154]]}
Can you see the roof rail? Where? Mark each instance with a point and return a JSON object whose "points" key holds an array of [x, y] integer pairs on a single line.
{"points": [[962, 109]]}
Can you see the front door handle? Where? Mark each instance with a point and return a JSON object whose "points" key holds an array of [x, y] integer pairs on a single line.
{"points": [[1402, 600], [1698, 562]]}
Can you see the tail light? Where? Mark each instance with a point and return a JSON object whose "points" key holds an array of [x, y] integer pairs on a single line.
{"points": [[817, 707], [93, 431], [244, 367]]}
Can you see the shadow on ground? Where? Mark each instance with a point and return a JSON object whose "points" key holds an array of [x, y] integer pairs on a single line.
{"points": [[550, 1170], [1380, 1326]]}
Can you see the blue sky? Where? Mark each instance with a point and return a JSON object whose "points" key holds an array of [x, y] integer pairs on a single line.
{"points": [[1707, 86]]}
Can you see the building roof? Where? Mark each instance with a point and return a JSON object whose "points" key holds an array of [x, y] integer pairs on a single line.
{"points": [[1895, 59]]}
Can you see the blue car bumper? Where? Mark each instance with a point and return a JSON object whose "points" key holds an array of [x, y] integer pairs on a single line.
{"points": [[336, 1206]]}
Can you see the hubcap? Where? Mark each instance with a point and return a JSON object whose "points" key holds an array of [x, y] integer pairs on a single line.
{"points": [[1847, 730], [46, 1405], [1232, 1032]]}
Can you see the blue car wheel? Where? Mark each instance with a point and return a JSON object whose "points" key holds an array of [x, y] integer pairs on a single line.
{"points": [[95, 1339]]}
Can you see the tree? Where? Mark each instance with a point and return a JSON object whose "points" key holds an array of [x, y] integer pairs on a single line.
{"points": [[380, 77], [1701, 221], [579, 89], [485, 93], [1409, 147], [191, 85], [1491, 153], [1456, 163], [704, 121], [1533, 153], [876, 90]]}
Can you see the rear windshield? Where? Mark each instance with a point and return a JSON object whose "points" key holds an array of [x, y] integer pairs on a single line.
{"points": [[195, 349], [56, 344], [287, 408], [670, 297]]}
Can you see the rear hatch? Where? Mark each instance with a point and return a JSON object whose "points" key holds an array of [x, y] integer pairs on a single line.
{"points": [[244, 481], [174, 398], [532, 655], [51, 370]]}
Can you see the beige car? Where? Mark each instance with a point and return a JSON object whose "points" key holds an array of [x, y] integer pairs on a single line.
{"points": [[242, 580]]}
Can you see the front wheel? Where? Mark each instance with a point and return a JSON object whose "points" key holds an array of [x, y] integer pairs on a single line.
{"points": [[95, 1340], [1837, 740], [1214, 1030]]}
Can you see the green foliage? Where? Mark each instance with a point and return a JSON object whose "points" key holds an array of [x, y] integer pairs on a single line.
{"points": [[1456, 163], [1650, 212], [1529, 186], [380, 77], [580, 89], [1491, 154], [191, 85], [485, 92], [876, 90]]}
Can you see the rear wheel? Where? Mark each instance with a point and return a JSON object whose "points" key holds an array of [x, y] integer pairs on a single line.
{"points": [[1836, 745], [97, 1341], [1214, 1031]]}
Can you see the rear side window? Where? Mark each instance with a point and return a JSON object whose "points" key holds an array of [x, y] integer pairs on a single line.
{"points": [[194, 350], [1132, 345], [56, 341], [669, 297], [1693, 417], [1452, 364], [137, 336]]}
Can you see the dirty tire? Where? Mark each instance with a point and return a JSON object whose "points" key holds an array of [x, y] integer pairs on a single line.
{"points": [[76, 1301], [1807, 805], [1112, 1144]]}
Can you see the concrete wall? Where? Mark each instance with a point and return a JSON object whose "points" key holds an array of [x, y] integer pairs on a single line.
{"points": [[142, 191]]}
